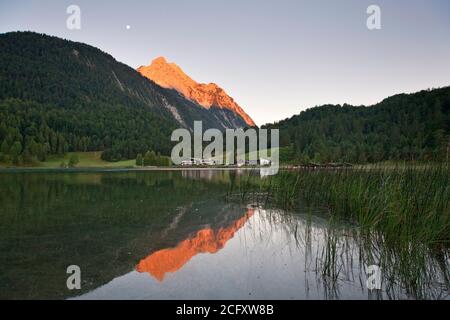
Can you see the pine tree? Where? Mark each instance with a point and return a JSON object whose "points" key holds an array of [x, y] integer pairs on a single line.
{"points": [[147, 159], [139, 160]]}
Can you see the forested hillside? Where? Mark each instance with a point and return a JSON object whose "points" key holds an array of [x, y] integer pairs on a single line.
{"points": [[403, 127], [58, 96]]}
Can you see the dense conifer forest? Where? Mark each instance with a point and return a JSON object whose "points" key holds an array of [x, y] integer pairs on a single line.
{"points": [[60, 96], [403, 127]]}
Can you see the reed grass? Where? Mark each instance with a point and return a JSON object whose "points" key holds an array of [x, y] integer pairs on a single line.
{"points": [[399, 218], [406, 204]]}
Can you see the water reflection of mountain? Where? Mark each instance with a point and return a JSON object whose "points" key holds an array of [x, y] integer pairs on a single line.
{"points": [[50, 221], [206, 240]]}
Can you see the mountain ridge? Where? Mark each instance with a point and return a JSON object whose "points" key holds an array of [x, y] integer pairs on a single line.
{"points": [[59, 96], [405, 126], [171, 76]]}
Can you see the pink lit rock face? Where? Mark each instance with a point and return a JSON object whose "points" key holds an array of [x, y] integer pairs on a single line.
{"points": [[169, 75]]}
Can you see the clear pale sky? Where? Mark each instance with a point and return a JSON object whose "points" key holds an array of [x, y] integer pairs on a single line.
{"points": [[275, 57]]}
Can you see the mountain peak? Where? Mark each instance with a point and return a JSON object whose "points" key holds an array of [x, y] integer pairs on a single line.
{"points": [[171, 76], [159, 60]]}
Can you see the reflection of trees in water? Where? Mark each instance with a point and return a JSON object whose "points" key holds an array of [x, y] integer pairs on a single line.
{"points": [[222, 176], [105, 225], [201, 174]]}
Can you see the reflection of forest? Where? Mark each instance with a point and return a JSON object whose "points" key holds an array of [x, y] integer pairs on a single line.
{"points": [[50, 221], [223, 176], [108, 224], [206, 175]]}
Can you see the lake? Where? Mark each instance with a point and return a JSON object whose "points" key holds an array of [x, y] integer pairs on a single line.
{"points": [[186, 235]]}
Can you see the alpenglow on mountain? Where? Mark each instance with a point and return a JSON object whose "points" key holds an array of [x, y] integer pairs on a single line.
{"points": [[209, 96], [61, 96]]}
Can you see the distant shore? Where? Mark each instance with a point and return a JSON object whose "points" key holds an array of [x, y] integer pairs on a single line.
{"points": [[212, 168], [124, 169]]}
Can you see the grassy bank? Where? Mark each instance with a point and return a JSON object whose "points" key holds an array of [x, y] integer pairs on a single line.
{"points": [[86, 160]]}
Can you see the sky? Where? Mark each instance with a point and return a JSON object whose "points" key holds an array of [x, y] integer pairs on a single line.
{"points": [[274, 57]]}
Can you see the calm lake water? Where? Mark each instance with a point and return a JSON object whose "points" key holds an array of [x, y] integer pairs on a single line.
{"points": [[180, 235]]}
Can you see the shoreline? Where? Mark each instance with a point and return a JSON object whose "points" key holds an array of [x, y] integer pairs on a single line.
{"points": [[124, 169], [212, 168]]}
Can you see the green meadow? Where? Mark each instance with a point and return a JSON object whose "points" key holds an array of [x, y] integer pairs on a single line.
{"points": [[85, 160]]}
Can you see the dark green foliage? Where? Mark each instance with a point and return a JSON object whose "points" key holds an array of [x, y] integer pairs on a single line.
{"points": [[402, 127], [58, 96], [15, 152], [139, 160], [153, 159], [149, 158], [74, 160], [50, 222], [43, 129]]}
